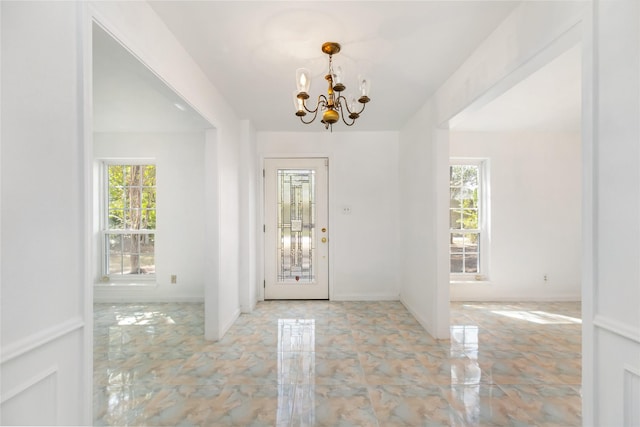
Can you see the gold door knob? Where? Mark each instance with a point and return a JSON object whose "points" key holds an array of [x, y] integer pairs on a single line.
{"points": [[324, 230], [324, 240]]}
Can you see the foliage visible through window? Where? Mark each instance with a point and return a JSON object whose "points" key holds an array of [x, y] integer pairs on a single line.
{"points": [[464, 220], [130, 222]]}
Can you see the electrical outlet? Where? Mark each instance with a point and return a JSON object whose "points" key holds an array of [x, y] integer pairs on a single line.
{"points": [[546, 278], [174, 279]]}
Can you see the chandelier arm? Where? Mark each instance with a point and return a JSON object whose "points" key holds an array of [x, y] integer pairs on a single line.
{"points": [[339, 103], [340, 99], [362, 109], [322, 100], [346, 105], [315, 114], [342, 105], [348, 124]]}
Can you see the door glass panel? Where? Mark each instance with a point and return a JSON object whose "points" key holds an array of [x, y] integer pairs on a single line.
{"points": [[296, 226]]}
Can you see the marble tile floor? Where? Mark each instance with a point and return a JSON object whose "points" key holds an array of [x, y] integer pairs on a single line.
{"points": [[304, 363]]}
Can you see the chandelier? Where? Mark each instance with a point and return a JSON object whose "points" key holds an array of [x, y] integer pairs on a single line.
{"points": [[334, 105]]}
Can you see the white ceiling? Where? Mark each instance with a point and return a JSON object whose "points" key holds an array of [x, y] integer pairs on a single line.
{"points": [[251, 49], [548, 100], [128, 97]]}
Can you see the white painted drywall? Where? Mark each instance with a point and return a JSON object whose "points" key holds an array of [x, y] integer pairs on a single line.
{"points": [[228, 167], [611, 313], [363, 176], [533, 34], [179, 250], [423, 154], [535, 214], [43, 366], [248, 209], [140, 29]]}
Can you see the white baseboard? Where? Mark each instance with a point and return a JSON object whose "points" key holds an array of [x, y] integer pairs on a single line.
{"points": [[143, 299], [244, 309], [423, 322], [366, 297], [519, 298], [225, 328]]}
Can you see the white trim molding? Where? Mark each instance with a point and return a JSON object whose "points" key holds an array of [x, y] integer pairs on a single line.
{"points": [[423, 322], [617, 327], [42, 388], [225, 328], [40, 339], [36, 379]]}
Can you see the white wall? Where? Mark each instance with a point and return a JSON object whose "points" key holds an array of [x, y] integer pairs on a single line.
{"points": [[533, 34], [44, 359], [423, 153], [611, 303], [179, 245], [248, 218], [535, 186], [363, 174], [228, 189], [140, 29]]}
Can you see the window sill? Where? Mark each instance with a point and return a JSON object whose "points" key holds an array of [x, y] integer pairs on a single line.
{"points": [[466, 279], [148, 283]]}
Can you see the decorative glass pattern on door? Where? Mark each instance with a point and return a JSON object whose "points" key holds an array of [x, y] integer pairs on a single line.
{"points": [[296, 226]]}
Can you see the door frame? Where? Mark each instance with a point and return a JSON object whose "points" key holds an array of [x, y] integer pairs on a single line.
{"points": [[260, 256]]}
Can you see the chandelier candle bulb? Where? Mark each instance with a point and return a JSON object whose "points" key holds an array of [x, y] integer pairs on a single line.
{"points": [[334, 106], [337, 80], [303, 79], [299, 105], [365, 86], [352, 105]]}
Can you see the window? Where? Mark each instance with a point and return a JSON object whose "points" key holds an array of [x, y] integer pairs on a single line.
{"points": [[129, 220], [467, 218]]}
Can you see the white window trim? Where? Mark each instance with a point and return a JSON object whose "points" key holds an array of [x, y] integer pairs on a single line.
{"points": [[484, 188], [116, 280]]}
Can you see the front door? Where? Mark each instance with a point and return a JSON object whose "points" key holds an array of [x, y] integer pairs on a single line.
{"points": [[296, 229]]}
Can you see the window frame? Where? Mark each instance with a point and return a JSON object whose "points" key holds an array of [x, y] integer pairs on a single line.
{"points": [[484, 216], [105, 231]]}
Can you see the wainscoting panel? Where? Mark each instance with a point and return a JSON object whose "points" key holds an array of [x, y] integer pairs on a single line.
{"points": [[631, 397], [41, 377], [617, 380], [17, 406]]}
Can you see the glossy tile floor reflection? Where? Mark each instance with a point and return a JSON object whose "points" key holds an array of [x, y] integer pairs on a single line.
{"points": [[338, 364]]}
